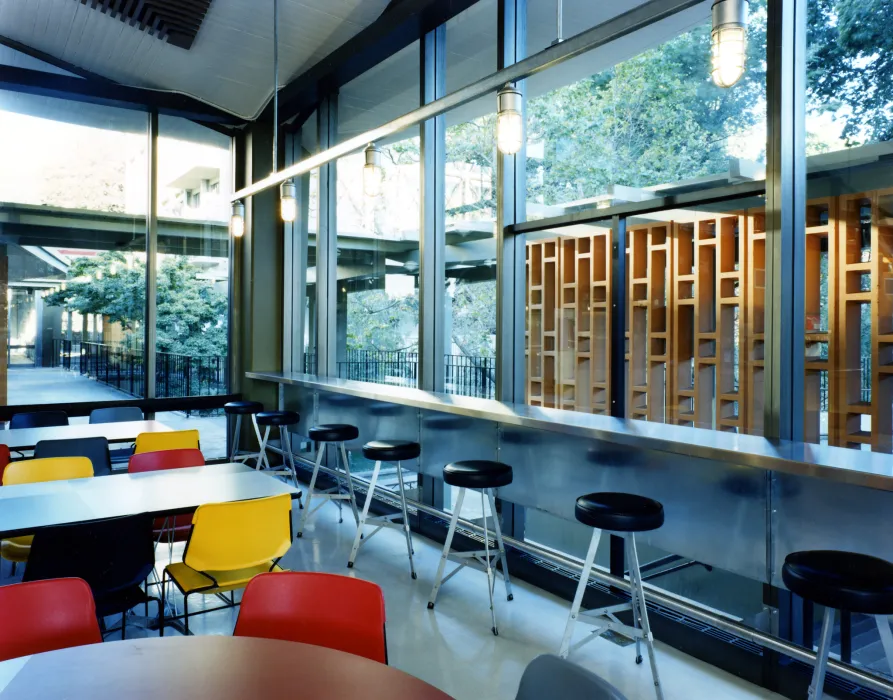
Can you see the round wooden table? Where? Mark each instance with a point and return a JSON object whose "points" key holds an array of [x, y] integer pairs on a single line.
{"points": [[222, 668]]}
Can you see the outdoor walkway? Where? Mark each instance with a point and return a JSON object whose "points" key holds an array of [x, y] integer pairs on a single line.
{"points": [[45, 385]]}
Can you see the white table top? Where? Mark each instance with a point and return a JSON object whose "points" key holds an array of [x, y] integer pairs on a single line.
{"points": [[125, 431], [27, 508]]}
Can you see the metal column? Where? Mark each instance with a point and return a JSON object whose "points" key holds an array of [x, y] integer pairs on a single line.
{"points": [[326, 244], [432, 237], [151, 258]]}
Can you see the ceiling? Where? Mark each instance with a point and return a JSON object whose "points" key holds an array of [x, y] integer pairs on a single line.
{"points": [[230, 63]]}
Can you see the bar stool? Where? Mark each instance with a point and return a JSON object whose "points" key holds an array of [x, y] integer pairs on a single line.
{"points": [[239, 409], [336, 434], [484, 476], [619, 513], [283, 420], [394, 451], [841, 581]]}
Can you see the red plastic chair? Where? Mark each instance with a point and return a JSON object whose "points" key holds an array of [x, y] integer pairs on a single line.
{"points": [[337, 612], [5, 459], [178, 526], [46, 615]]}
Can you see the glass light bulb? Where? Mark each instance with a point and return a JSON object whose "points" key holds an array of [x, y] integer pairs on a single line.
{"points": [[288, 209], [237, 225], [728, 53], [371, 180], [509, 132]]}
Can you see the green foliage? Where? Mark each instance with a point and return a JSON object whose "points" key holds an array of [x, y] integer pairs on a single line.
{"points": [[474, 318], [191, 313], [379, 322], [850, 66]]}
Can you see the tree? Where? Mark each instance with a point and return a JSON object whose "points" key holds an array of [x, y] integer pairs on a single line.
{"points": [[379, 322], [850, 66], [191, 313]]}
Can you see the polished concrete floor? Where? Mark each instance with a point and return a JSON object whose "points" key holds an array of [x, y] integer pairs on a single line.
{"points": [[452, 647]]}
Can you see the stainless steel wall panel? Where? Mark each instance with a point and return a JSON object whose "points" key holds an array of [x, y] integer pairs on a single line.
{"points": [[447, 438]]}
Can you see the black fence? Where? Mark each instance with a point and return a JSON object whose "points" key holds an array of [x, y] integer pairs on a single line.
{"points": [[463, 375], [123, 368]]}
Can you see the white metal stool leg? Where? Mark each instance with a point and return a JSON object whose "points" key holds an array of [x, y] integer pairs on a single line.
{"points": [[642, 616], [505, 566], [578, 596], [447, 543], [238, 432], [816, 687], [353, 497], [491, 579], [409, 550], [307, 510], [262, 461], [363, 516], [883, 626]]}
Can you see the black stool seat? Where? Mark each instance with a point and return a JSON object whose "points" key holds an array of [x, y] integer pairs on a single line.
{"points": [[621, 512], [391, 450], [843, 580], [277, 418], [334, 432], [243, 408], [477, 474]]}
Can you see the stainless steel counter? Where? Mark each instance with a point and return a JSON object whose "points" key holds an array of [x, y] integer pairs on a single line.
{"points": [[855, 467]]}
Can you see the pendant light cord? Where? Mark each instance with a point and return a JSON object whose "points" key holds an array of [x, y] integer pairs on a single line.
{"points": [[275, 85]]}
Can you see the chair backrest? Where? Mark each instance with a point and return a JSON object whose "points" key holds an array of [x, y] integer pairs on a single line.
{"points": [[96, 449], [171, 440], [5, 458], [166, 459], [46, 615], [110, 554], [30, 471], [238, 535], [327, 610], [116, 414], [38, 419], [548, 676]]}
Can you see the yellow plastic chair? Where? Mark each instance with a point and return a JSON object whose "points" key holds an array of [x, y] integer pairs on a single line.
{"points": [[229, 545], [172, 440], [31, 471]]}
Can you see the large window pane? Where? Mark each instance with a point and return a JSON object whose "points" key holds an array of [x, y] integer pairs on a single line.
{"points": [[622, 124], [73, 196], [849, 227], [194, 187]]}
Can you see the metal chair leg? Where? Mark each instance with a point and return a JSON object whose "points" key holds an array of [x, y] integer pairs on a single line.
{"points": [[262, 454], [353, 498], [883, 626], [322, 446], [262, 460], [816, 687], [162, 609], [643, 612], [409, 550], [578, 596], [365, 514], [491, 577], [505, 565], [447, 544]]}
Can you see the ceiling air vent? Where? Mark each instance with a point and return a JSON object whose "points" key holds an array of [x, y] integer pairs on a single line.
{"points": [[175, 21]]}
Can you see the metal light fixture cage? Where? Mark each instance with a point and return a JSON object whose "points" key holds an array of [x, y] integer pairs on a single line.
{"points": [[509, 120], [288, 202], [372, 171], [728, 42], [237, 220]]}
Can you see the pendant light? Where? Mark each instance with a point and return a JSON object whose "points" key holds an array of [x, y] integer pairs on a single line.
{"points": [[509, 120], [728, 49], [372, 171], [237, 220], [288, 202]]}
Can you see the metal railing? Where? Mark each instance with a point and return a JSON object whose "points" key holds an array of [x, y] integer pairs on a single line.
{"points": [[463, 375], [123, 368]]}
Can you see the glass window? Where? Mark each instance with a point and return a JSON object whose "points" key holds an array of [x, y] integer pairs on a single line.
{"points": [[471, 45], [849, 227], [619, 124], [377, 316], [73, 194], [194, 187]]}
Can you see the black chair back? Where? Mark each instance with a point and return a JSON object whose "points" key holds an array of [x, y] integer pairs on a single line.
{"points": [[116, 414], [96, 449], [548, 676], [38, 419], [113, 556]]}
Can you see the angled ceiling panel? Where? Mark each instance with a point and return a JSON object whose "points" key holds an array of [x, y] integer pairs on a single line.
{"points": [[229, 62]]}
